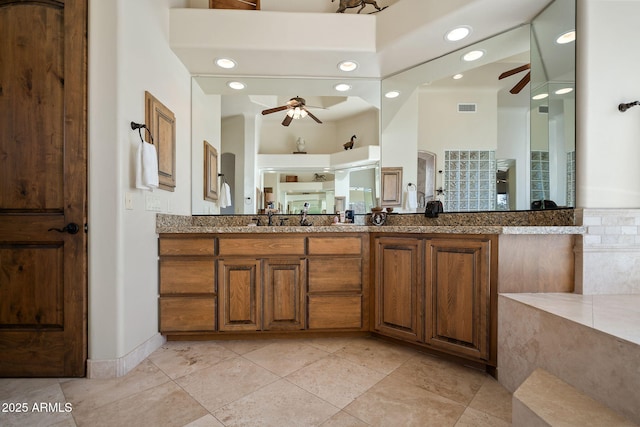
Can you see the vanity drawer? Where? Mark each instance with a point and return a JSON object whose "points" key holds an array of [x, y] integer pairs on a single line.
{"points": [[261, 246], [187, 314], [335, 245], [187, 276], [333, 274], [186, 246], [335, 312]]}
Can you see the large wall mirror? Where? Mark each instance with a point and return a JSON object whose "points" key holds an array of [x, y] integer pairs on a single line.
{"points": [[278, 168], [495, 147]]}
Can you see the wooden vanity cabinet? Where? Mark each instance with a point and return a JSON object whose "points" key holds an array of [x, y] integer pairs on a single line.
{"points": [[188, 295], [437, 291], [398, 288], [337, 294]]}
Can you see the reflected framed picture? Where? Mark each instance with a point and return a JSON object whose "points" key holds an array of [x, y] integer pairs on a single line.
{"points": [[210, 172]]}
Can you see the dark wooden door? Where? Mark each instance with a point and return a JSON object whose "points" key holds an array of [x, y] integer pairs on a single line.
{"points": [[239, 295], [283, 294], [43, 272]]}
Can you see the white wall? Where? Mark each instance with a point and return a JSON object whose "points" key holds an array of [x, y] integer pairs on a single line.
{"points": [[608, 142], [128, 54]]}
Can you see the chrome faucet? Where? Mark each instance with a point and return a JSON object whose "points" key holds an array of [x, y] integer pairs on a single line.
{"points": [[303, 214], [270, 216]]}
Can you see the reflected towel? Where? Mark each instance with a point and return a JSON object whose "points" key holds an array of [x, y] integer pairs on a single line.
{"points": [[225, 195], [146, 167], [411, 199]]}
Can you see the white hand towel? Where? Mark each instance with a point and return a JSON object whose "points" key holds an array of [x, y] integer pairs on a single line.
{"points": [[225, 195], [411, 199], [146, 167]]}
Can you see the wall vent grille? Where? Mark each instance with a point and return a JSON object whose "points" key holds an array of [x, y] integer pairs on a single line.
{"points": [[467, 108], [543, 109]]}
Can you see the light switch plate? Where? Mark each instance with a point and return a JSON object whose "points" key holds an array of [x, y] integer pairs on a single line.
{"points": [[152, 203], [128, 201]]}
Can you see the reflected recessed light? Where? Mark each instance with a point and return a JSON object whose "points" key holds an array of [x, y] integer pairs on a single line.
{"points": [[458, 33], [474, 55], [236, 85], [564, 90], [342, 87], [348, 65], [458, 76], [392, 94], [567, 37], [225, 63], [540, 96]]}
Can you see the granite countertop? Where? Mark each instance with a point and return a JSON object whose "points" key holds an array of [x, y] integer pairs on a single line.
{"points": [[550, 222]]}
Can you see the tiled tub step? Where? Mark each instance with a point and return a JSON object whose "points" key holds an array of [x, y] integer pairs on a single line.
{"points": [[545, 400]]}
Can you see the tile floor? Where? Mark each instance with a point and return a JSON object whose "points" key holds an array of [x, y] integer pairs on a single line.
{"points": [[301, 382]]}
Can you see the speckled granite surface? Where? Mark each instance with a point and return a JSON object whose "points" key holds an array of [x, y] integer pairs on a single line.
{"points": [[559, 221]]}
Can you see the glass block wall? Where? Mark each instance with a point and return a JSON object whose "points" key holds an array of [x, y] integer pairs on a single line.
{"points": [[571, 179], [540, 175], [469, 180]]}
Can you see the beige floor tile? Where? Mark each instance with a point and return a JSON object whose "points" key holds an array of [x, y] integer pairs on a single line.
{"points": [[393, 402], [285, 357], [226, 382], [474, 418], [280, 404], [336, 380], [206, 421], [342, 419], [376, 354], [25, 408], [165, 405], [245, 346], [179, 358], [441, 377], [89, 394], [331, 345], [493, 399], [10, 387]]}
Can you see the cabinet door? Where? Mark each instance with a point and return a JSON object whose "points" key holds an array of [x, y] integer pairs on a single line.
{"points": [[458, 297], [283, 286], [397, 287], [239, 295]]}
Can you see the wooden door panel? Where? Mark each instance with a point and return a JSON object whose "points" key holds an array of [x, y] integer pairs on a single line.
{"points": [[239, 295], [43, 186], [398, 279], [458, 296], [283, 294]]}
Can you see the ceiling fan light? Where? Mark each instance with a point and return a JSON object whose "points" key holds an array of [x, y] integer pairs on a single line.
{"points": [[348, 65], [458, 33], [568, 37], [474, 55], [225, 63]]}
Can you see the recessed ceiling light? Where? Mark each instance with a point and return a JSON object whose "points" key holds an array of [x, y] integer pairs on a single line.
{"points": [[474, 55], [392, 94], [564, 90], [458, 76], [458, 33], [342, 87], [236, 85], [567, 37], [225, 63], [540, 96], [348, 65]]}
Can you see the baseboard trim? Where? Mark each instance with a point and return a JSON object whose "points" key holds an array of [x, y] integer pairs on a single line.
{"points": [[113, 368]]}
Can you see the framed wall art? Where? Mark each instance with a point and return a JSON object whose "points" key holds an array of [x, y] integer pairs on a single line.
{"points": [[162, 124], [210, 172]]}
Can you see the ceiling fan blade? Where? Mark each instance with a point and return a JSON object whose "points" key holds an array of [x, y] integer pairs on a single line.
{"points": [[275, 110], [287, 120], [521, 84], [513, 71], [312, 116]]}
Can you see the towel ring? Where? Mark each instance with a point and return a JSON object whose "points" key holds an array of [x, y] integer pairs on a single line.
{"points": [[139, 126]]}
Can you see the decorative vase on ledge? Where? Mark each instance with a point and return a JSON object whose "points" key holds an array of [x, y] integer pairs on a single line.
{"points": [[301, 145]]}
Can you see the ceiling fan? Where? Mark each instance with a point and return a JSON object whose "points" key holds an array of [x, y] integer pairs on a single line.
{"points": [[296, 110], [523, 82]]}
